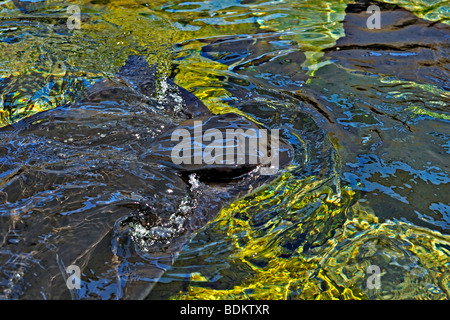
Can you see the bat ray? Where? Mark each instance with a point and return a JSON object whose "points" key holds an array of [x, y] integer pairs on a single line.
{"points": [[84, 183]]}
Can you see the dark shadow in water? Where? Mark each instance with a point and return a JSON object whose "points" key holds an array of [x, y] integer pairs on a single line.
{"points": [[405, 46]]}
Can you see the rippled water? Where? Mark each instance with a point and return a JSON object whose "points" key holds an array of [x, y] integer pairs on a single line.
{"points": [[366, 111]]}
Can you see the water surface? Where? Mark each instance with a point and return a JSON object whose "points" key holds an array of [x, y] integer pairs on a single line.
{"points": [[366, 110]]}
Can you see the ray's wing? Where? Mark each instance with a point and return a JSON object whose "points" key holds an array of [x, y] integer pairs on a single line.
{"points": [[219, 148]]}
